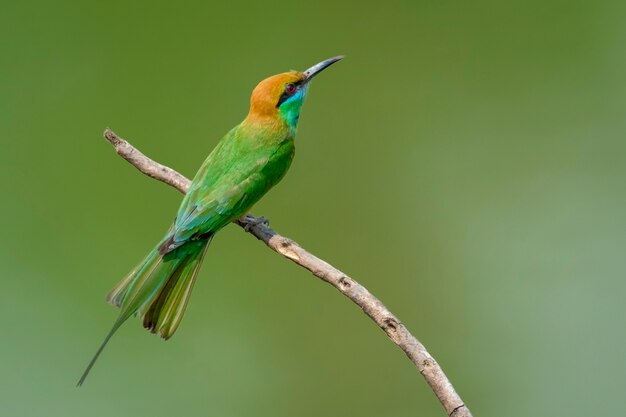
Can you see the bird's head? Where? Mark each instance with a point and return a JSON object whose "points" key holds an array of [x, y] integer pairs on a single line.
{"points": [[280, 96]]}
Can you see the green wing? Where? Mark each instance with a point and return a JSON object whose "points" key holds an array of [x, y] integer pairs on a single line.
{"points": [[234, 177]]}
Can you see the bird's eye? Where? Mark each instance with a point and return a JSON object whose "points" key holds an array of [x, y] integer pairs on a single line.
{"points": [[290, 88]]}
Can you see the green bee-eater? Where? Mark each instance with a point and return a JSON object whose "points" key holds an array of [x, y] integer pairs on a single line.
{"points": [[245, 164]]}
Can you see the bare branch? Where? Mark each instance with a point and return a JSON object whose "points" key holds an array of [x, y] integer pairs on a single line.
{"points": [[395, 330], [146, 165]]}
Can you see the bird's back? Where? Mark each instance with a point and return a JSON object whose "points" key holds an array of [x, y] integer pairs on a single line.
{"points": [[245, 164]]}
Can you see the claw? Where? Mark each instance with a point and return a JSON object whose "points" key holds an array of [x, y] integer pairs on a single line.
{"points": [[250, 221]]}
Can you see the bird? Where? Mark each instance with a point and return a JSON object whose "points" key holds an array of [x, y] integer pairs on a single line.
{"points": [[245, 164]]}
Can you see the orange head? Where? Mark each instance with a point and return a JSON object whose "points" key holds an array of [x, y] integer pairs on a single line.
{"points": [[280, 96]]}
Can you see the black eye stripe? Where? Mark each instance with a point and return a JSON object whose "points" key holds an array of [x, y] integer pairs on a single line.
{"points": [[285, 95]]}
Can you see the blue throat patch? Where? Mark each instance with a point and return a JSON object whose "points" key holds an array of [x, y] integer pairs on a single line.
{"points": [[290, 108]]}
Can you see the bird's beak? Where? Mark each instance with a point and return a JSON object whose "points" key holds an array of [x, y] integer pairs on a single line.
{"points": [[317, 68]]}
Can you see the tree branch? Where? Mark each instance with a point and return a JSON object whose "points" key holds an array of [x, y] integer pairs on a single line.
{"points": [[395, 330]]}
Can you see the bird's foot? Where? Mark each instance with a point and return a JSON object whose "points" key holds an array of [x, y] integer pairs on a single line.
{"points": [[249, 221]]}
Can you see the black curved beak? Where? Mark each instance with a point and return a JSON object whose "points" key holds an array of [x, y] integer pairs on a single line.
{"points": [[317, 68]]}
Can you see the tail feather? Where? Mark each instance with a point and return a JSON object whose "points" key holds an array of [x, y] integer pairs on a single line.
{"points": [[118, 293], [98, 352], [158, 290], [165, 314]]}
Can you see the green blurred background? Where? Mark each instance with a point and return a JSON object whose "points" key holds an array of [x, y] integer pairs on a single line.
{"points": [[465, 162]]}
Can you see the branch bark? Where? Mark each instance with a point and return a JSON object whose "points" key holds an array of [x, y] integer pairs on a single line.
{"points": [[358, 294]]}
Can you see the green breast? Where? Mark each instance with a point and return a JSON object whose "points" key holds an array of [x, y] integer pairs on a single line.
{"points": [[279, 162]]}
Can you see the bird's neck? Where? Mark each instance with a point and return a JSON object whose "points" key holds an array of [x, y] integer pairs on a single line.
{"points": [[274, 125]]}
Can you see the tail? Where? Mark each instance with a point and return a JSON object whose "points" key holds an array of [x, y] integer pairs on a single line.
{"points": [[157, 290]]}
